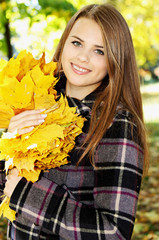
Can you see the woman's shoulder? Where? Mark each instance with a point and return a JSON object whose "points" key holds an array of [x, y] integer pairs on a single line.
{"points": [[124, 119], [123, 126], [124, 115]]}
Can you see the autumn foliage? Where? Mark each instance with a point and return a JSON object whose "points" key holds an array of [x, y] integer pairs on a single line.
{"points": [[25, 84]]}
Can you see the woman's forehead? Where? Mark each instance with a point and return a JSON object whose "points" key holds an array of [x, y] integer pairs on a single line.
{"points": [[87, 30]]}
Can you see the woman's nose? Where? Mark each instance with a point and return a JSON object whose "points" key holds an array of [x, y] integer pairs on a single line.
{"points": [[83, 55]]}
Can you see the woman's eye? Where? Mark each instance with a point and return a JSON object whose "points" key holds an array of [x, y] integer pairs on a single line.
{"points": [[100, 52], [76, 43]]}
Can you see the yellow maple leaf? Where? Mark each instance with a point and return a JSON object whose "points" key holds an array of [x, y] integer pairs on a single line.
{"points": [[43, 136], [27, 63], [32, 176], [6, 211], [24, 163], [41, 80], [47, 68], [6, 113], [17, 94], [3, 63], [42, 99], [12, 68]]}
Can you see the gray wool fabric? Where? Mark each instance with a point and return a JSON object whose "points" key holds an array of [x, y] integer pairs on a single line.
{"points": [[84, 202]]}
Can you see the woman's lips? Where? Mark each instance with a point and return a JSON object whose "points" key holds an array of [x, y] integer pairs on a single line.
{"points": [[79, 70]]}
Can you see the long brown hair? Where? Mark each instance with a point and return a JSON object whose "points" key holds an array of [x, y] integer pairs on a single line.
{"points": [[124, 84]]}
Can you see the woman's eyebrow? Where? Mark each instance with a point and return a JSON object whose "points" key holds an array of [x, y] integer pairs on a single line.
{"points": [[98, 46]]}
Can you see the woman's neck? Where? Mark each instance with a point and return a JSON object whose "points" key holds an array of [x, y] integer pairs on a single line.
{"points": [[77, 91]]}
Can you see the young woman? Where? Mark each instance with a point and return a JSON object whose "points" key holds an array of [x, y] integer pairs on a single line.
{"points": [[95, 196]]}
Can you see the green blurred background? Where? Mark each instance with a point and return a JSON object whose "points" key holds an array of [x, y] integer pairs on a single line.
{"points": [[36, 25]]}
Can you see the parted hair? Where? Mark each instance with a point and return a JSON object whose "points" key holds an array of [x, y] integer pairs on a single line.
{"points": [[123, 87]]}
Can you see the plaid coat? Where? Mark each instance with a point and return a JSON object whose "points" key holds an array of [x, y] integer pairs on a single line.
{"points": [[84, 202]]}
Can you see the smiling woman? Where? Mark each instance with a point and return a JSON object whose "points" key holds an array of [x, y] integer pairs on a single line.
{"points": [[95, 195], [83, 58]]}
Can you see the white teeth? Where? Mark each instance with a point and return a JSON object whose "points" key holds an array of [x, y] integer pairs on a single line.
{"points": [[80, 69]]}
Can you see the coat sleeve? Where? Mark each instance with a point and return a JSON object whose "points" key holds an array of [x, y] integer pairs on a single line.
{"points": [[2, 179], [117, 180], [2, 173]]}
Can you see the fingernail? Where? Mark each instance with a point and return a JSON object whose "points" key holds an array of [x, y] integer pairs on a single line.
{"points": [[44, 115], [41, 120], [42, 110]]}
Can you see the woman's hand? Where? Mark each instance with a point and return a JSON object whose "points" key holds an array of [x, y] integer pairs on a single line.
{"points": [[24, 122], [12, 181]]}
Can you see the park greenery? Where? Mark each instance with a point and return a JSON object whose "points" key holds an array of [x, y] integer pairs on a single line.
{"points": [[37, 25]]}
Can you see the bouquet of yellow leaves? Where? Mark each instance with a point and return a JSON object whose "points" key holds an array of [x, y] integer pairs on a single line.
{"points": [[26, 84]]}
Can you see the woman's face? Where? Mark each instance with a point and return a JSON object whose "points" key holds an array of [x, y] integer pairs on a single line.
{"points": [[83, 58]]}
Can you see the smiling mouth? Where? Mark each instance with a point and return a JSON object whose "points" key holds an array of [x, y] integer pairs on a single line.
{"points": [[80, 69]]}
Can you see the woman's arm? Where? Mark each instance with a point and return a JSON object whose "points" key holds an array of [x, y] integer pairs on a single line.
{"points": [[116, 187]]}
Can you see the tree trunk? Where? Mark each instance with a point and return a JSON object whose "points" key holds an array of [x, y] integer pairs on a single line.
{"points": [[8, 39]]}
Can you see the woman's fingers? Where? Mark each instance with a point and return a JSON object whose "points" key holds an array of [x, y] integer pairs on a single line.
{"points": [[26, 113], [14, 171], [26, 120], [12, 181], [25, 130]]}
